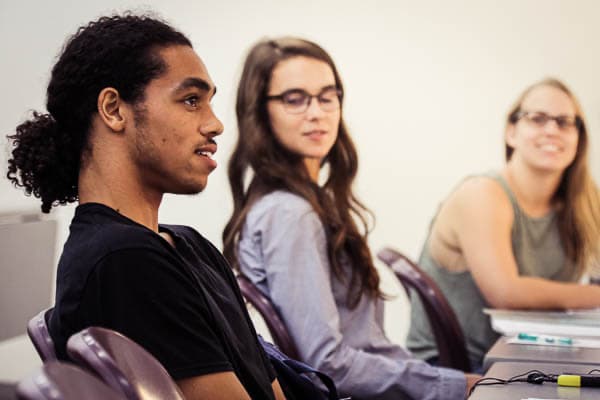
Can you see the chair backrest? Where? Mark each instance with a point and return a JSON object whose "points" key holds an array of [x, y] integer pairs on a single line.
{"points": [[37, 330], [446, 329], [263, 305], [61, 381], [122, 364]]}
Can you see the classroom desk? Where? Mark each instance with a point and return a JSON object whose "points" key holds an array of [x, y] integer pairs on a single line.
{"points": [[523, 390], [502, 351]]}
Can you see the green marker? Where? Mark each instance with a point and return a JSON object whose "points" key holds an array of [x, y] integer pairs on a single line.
{"points": [[565, 340], [545, 339], [526, 336]]}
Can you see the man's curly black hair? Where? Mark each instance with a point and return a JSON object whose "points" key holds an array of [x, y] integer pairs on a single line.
{"points": [[120, 52]]}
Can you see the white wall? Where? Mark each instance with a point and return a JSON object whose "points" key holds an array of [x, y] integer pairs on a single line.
{"points": [[427, 86]]}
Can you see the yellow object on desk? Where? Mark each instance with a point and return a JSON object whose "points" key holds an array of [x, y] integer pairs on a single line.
{"points": [[588, 380], [569, 380]]}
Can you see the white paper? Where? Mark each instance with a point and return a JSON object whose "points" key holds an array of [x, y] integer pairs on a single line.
{"points": [[532, 398], [568, 323]]}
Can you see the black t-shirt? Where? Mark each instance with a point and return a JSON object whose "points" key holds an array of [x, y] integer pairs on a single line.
{"points": [[181, 304]]}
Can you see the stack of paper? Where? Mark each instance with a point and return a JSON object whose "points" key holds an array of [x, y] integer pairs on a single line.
{"points": [[565, 323]]}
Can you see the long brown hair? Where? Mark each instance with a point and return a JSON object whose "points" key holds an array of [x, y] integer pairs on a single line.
{"points": [[577, 195], [272, 167]]}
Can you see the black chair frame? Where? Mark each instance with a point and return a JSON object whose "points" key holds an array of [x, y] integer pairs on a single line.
{"points": [[263, 305], [448, 334], [37, 330]]}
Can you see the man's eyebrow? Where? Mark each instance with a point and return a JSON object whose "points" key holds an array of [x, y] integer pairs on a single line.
{"points": [[198, 83]]}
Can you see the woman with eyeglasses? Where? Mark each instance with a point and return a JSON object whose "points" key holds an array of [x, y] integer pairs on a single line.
{"points": [[299, 233], [523, 237]]}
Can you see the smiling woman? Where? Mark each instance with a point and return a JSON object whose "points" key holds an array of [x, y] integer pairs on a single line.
{"points": [[522, 237]]}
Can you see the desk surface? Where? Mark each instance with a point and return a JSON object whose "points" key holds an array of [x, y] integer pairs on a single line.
{"points": [[502, 351], [523, 390]]}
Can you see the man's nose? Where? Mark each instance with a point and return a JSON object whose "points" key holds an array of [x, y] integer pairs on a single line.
{"points": [[213, 127]]}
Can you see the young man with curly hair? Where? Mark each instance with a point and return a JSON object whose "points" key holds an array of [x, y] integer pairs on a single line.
{"points": [[129, 119]]}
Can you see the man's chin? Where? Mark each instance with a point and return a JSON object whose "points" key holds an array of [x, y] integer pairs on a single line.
{"points": [[188, 189]]}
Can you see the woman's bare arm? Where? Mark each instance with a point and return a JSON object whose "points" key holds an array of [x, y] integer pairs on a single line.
{"points": [[480, 216]]}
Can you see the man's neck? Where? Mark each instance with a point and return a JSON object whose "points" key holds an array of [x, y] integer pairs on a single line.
{"points": [[121, 192]]}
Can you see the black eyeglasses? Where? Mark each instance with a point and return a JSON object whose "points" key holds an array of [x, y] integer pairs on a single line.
{"points": [[297, 101], [540, 119]]}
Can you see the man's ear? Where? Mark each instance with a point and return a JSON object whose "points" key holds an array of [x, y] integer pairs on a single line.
{"points": [[112, 109]]}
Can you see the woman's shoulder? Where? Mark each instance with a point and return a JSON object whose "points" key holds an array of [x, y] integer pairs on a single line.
{"points": [[475, 186], [281, 205], [477, 201], [484, 192], [281, 200]]}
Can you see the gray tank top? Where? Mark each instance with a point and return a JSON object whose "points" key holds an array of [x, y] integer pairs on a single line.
{"points": [[538, 252]]}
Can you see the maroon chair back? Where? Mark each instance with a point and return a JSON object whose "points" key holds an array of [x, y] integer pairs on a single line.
{"points": [[60, 381], [449, 338], [122, 364], [263, 305], [37, 330]]}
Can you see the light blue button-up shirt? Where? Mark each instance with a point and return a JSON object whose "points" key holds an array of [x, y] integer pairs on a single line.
{"points": [[283, 251]]}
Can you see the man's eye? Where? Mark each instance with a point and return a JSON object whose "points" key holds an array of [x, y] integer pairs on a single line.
{"points": [[192, 101]]}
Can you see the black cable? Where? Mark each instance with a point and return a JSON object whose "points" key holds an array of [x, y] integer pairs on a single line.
{"points": [[532, 376]]}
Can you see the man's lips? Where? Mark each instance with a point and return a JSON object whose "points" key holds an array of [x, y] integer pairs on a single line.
{"points": [[207, 150]]}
